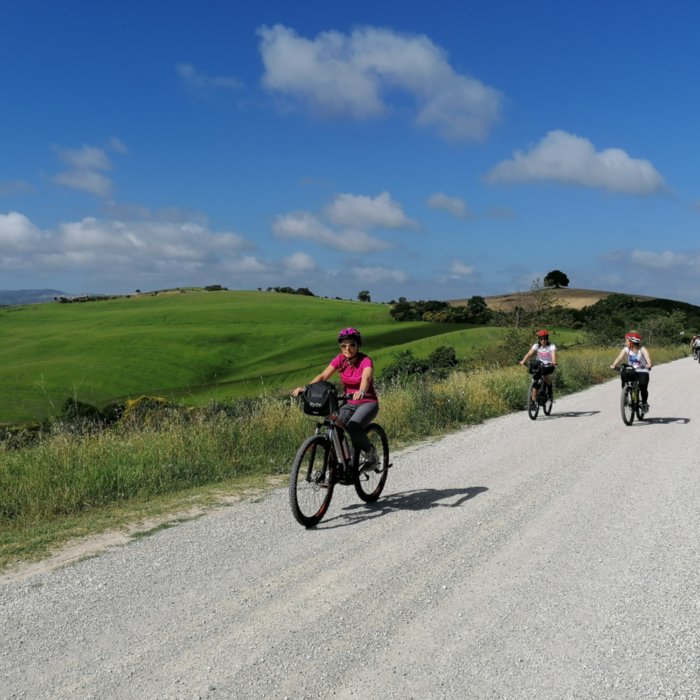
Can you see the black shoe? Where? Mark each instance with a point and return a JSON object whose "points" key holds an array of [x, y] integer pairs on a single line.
{"points": [[645, 408]]}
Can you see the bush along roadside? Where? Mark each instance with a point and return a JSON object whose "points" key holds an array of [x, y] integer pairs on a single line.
{"points": [[156, 448]]}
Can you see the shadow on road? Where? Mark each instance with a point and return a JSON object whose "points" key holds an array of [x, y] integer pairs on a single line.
{"points": [[662, 421], [571, 414], [422, 499]]}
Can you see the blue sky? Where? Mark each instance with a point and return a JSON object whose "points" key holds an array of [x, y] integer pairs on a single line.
{"points": [[427, 150]]}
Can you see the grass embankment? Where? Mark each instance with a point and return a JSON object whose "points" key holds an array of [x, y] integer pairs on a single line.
{"points": [[69, 484]]}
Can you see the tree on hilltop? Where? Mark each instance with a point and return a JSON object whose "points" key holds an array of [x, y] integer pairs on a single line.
{"points": [[556, 278]]}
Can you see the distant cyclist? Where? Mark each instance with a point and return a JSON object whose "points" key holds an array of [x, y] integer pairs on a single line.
{"points": [[637, 356], [357, 374], [547, 354], [695, 345]]}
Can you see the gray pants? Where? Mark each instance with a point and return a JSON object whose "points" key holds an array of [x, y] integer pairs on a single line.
{"points": [[355, 418]]}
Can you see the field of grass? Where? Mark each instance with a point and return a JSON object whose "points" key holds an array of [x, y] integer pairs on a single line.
{"points": [[193, 346], [72, 483]]}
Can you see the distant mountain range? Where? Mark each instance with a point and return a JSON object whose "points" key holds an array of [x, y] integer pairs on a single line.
{"points": [[17, 297]]}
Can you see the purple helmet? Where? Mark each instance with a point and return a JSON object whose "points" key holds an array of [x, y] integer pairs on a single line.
{"points": [[350, 334]]}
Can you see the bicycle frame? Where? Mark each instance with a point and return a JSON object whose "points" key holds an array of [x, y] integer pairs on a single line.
{"points": [[542, 395], [344, 457]]}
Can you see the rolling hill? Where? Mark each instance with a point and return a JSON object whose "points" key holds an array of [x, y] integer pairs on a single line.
{"points": [[13, 297], [572, 298], [190, 345]]}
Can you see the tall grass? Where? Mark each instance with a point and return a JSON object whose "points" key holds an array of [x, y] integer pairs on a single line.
{"points": [[66, 473]]}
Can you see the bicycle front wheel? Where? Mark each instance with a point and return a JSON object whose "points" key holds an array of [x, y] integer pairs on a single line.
{"points": [[370, 484], [627, 406], [533, 407], [547, 406], [312, 481], [638, 406]]}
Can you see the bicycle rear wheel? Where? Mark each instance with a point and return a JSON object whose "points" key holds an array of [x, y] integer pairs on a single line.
{"points": [[533, 407], [370, 484], [627, 406], [312, 481]]}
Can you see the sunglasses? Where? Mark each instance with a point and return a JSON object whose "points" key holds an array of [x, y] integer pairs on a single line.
{"points": [[348, 345]]}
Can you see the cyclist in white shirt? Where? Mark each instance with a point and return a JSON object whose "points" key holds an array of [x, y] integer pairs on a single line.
{"points": [[546, 354], [637, 356]]}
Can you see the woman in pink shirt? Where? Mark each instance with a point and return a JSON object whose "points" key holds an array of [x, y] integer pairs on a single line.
{"points": [[357, 374]]}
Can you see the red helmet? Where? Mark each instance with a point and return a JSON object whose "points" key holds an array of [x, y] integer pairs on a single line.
{"points": [[634, 337], [544, 333]]}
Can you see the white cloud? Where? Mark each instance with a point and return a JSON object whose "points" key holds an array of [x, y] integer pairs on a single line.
{"points": [[195, 79], [353, 75], [84, 158], [303, 225], [563, 157], [86, 167], [459, 269], [299, 262], [377, 274], [86, 180], [671, 274], [118, 250], [18, 234], [360, 211], [455, 206], [653, 261], [246, 264]]}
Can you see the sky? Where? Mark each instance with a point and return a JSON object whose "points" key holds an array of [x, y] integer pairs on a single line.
{"points": [[427, 150]]}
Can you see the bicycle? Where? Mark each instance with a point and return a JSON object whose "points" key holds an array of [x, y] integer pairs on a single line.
{"points": [[540, 394], [326, 458], [630, 404]]}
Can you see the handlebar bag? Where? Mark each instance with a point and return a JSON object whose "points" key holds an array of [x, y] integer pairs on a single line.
{"points": [[320, 399], [628, 373]]}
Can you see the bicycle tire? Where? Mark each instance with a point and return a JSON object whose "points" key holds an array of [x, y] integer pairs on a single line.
{"points": [[369, 485], [638, 406], [627, 406], [547, 406], [312, 481], [533, 407]]}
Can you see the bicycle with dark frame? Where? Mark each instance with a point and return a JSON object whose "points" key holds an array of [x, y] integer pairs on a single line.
{"points": [[630, 400], [540, 393], [326, 458]]}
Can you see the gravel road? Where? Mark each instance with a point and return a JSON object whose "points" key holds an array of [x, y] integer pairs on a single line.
{"points": [[558, 558]]}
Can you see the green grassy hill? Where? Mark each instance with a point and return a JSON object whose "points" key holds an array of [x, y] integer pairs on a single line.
{"points": [[192, 346]]}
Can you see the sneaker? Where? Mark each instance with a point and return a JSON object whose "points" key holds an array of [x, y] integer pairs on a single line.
{"points": [[645, 408]]}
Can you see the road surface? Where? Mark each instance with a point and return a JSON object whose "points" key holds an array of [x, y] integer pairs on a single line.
{"points": [[558, 558]]}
